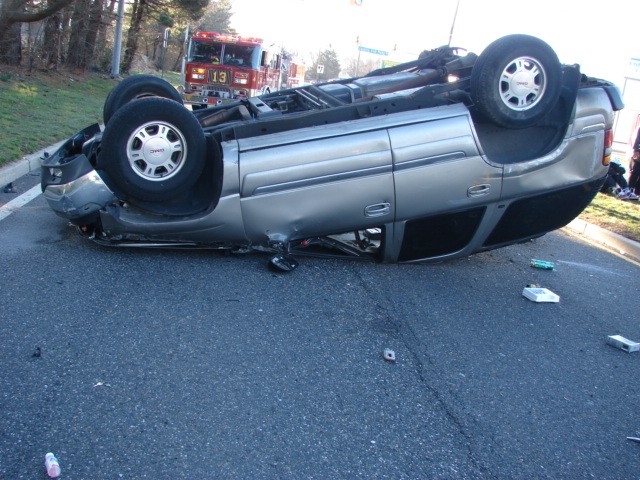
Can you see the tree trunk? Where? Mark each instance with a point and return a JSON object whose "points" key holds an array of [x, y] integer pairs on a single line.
{"points": [[66, 13], [179, 59], [95, 18], [10, 33], [156, 48], [137, 15], [106, 22], [52, 44], [11, 44], [76, 47], [12, 15]]}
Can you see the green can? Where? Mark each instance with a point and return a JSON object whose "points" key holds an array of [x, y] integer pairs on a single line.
{"points": [[542, 264]]}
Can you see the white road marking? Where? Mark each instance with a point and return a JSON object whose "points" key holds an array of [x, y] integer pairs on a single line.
{"points": [[10, 207]]}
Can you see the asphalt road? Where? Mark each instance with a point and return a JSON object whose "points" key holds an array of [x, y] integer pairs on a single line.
{"points": [[144, 364]]}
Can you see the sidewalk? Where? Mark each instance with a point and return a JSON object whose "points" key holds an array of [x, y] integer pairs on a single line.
{"points": [[628, 248]]}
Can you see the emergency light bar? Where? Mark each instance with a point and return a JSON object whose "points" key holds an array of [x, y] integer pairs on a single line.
{"points": [[227, 38]]}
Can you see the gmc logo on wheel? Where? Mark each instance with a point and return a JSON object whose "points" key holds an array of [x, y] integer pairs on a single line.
{"points": [[159, 150]]}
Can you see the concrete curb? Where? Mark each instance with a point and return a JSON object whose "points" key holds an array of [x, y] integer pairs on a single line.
{"points": [[629, 248], [27, 164], [622, 245]]}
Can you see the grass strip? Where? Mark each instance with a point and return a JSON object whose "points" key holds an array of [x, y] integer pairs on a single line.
{"points": [[38, 110], [619, 216]]}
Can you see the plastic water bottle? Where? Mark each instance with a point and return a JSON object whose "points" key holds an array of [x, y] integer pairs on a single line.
{"points": [[52, 465]]}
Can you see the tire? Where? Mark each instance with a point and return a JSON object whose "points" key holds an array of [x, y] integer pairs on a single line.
{"points": [[135, 87], [516, 81], [153, 150]]}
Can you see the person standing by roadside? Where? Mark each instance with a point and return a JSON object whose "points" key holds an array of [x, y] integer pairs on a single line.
{"points": [[634, 166]]}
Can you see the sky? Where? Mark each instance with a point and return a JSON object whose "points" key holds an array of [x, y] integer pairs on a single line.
{"points": [[601, 37]]}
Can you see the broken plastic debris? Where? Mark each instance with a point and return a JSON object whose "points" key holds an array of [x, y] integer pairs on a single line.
{"points": [[389, 355], [536, 294], [52, 465], [622, 343]]}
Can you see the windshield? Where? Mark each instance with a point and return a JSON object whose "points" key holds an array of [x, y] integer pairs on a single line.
{"points": [[224, 54]]}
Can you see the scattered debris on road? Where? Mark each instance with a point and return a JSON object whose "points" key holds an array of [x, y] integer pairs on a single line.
{"points": [[542, 264], [538, 294], [52, 465], [102, 384], [622, 343], [389, 355]]}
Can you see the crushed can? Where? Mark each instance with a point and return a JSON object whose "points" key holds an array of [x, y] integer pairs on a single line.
{"points": [[544, 265]]}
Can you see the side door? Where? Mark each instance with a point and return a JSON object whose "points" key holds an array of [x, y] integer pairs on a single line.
{"points": [[443, 186], [320, 181]]}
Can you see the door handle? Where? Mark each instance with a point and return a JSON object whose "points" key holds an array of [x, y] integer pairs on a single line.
{"points": [[377, 209], [478, 190]]}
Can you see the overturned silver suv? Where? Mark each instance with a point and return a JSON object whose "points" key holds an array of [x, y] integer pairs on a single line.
{"points": [[438, 158]]}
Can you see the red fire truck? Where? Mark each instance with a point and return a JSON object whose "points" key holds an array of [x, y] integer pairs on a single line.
{"points": [[295, 76], [220, 67]]}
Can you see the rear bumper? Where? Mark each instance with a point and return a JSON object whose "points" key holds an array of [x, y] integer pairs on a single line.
{"points": [[80, 199], [72, 187]]}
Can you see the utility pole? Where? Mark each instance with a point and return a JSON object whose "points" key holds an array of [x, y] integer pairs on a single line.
{"points": [[117, 42], [358, 63], [165, 44]]}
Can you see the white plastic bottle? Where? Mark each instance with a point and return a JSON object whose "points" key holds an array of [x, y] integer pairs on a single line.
{"points": [[52, 465]]}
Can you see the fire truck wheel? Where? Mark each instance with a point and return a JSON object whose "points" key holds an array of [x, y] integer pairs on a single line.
{"points": [[153, 150], [516, 81], [135, 87]]}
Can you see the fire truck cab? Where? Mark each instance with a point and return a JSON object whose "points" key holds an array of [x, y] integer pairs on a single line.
{"points": [[221, 67]]}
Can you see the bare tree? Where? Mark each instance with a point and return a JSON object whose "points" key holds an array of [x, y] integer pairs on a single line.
{"points": [[79, 23], [108, 17], [73, 31], [138, 12], [360, 66], [52, 43], [217, 17], [142, 10], [15, 12], [93, 27]]}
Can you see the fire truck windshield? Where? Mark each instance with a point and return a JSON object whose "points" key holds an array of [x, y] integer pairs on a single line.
{"points": [[224, 54]]}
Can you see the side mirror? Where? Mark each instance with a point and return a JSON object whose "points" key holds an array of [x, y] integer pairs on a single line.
{"points": [[266, 58]]}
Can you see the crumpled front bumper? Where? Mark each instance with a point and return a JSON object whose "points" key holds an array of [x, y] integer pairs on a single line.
{"points": [[72, 187]]}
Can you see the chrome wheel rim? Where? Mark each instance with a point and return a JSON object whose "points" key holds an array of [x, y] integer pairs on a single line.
{"points": [[156, 151], [522, 83]]}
